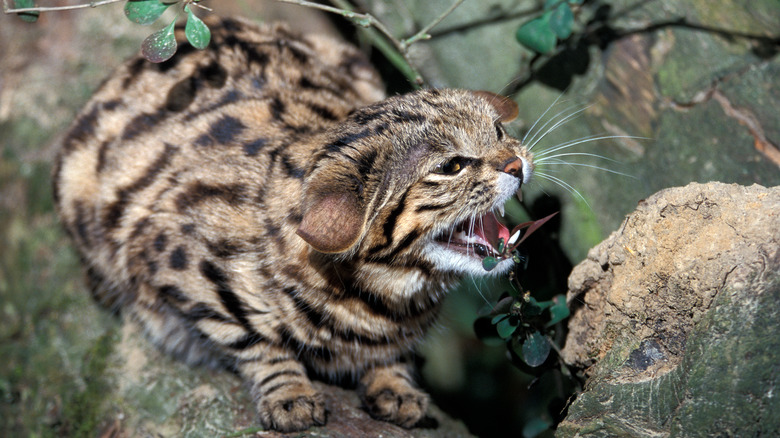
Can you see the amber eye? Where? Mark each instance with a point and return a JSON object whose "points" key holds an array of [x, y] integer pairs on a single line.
{"points": [[451, 167]]}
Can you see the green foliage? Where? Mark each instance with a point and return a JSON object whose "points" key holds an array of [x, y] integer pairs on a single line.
{"points": [[556, 23], [29, 17], [144, 12], [524, 324], [198, 34], [161, 45]]}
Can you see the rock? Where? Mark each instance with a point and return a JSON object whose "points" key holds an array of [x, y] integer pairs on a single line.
{"points": [[675, 318]]}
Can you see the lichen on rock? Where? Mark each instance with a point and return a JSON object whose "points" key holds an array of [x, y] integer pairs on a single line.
{"points": [[673, 318]]}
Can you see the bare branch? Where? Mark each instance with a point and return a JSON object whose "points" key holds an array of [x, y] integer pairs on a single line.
{"points": [[94, 4]]}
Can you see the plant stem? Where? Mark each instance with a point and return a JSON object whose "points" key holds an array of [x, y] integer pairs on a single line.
{"points": [[94, 4], [423, 33]]}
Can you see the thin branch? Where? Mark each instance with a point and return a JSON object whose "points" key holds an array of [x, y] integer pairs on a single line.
{"points": [[423, 33], [94, 4], [396, 55]]}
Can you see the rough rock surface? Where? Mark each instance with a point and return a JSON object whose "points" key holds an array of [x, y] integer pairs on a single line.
{"points": [[675, 318]]}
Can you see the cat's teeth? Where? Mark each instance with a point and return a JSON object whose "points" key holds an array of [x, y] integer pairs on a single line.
{"points": [[514, 237], [501, 210]]}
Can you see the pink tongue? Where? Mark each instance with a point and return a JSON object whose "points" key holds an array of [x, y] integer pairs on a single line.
{"points": [[492, 230]]}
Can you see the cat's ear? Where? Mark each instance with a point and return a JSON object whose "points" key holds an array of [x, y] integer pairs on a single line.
{"points": [[505, 107], [332, 223]]}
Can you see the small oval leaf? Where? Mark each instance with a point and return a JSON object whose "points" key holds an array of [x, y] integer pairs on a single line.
{"points": [[489, 263], [561, 21], [559, 311], [30, 17], [144, 12], [505, 328], [535, 349], [161, 45], [537, 35], [198, 34]]}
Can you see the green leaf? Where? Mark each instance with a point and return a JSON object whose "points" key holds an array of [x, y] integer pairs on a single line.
{"points": [[531, 308], [537, 35], [498, 318], [489, 263], [535, 427], [198, 34], [535, 349], [561, 21], [144, 12], [502, 306], [161, 45], [505, 328], [30, 17], [559, 311]]}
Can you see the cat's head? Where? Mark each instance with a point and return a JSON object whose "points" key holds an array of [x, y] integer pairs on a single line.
{"points": [[415, 180]]}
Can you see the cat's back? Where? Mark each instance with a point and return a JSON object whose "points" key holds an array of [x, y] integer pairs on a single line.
{"points": [[204, 122]]}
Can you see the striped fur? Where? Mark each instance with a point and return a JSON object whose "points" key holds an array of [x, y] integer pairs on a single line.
{"points": [[258, 204]]}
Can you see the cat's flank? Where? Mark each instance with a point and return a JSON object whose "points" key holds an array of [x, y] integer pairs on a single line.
{"points": [[260, 204]]}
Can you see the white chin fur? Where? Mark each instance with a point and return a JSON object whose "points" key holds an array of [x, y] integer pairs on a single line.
{"points": [[452, 261]]}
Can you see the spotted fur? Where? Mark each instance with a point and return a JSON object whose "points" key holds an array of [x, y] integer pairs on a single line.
{"points": [[260, 204]]}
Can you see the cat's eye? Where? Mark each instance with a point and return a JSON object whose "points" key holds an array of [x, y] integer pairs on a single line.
{"points": [[451, 167], [499, 131]]}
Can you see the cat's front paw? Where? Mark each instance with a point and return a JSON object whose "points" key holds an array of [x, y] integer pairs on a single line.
{"points": [[292, 409], [391, 397]]}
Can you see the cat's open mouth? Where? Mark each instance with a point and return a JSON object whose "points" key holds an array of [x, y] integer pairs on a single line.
{"points": [[476, 237]]}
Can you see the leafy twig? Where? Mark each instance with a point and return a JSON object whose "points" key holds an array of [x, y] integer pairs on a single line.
{"points": [[423, 33], [94, 4], [396, 50]]}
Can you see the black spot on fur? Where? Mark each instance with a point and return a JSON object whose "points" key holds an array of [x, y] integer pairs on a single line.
{"points": [[366, 162], [246, 341], [224, 248], [142, 123], [277, 108], [252, 54], [159, 242], [291, 169], [214, 75], [345, 141], [115, 211], [204, 140], [181, 95], [226, 129], [228, 298], [173, 293], [322, 111], [83, 129], [178, 259], [254, 146], [231, 194]]}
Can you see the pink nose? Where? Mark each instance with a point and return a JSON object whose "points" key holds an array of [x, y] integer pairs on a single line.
{"points": [[514, 167]]}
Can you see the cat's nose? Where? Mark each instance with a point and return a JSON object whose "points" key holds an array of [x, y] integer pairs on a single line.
{"points": [[514, 167]]}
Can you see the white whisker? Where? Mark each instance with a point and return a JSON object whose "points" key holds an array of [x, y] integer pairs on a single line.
{"points": [[557, 124], [588, 139], [538, 119], [565, 185]]}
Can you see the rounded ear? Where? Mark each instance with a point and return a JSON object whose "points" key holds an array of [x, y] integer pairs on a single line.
{"points": [[332, 223], [505, 107]]}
